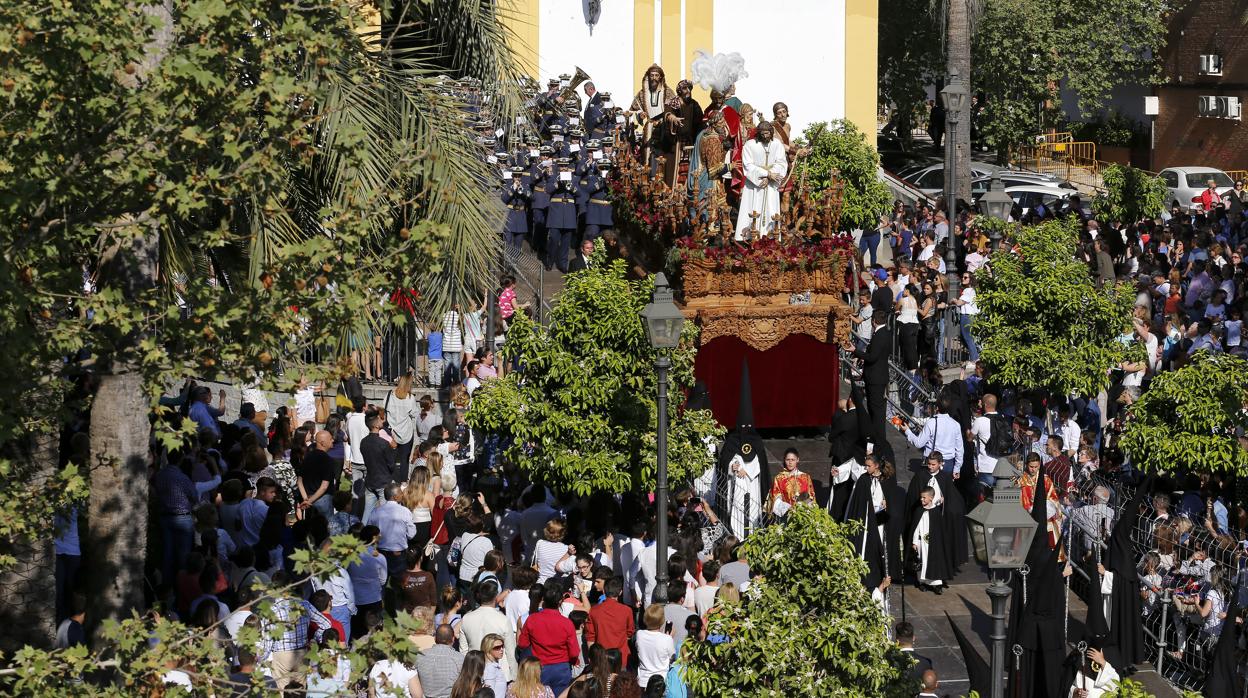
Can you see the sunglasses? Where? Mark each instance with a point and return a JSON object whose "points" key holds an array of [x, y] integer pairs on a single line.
{"points": [[497, 648]]}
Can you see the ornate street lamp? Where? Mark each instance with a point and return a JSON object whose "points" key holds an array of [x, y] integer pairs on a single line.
{"points": [[995, 202], [1005, 531], [664, 322]]}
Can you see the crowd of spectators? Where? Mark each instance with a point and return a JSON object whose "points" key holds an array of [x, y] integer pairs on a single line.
{"points": [[1188, 273]]}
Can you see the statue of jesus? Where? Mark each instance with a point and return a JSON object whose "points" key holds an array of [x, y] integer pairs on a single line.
{"points": [[764, 163]]}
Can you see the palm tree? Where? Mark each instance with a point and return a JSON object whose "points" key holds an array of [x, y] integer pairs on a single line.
{"points": [[382, 100], [956, 19]]}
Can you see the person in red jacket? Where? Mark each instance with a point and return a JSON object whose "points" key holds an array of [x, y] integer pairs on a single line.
{"points": [[552, 638], [611, 622], [1210, 199]]}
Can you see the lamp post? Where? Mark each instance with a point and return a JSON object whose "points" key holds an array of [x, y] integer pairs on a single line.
{"points": [[1005, 532], [664, 322], [954, 95], [996, 203]]}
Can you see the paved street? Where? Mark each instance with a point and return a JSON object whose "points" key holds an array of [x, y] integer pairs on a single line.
{"points": [[966, 600]]}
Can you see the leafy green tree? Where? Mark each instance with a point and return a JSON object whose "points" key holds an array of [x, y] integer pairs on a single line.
{"points": [[1042, 322], [1130, 195], [839, 145], [806, 625], [235, 183], [1025, 51], [1013, 51], [907, 67], [1188, 418], [580, 412]]}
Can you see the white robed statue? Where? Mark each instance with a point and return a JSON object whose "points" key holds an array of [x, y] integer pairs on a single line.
{"points": [[765, 165]]}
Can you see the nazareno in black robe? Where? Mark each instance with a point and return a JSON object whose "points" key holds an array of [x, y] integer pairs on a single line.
{"points": [[744, 441], [1036, 616], [1126, 619]]}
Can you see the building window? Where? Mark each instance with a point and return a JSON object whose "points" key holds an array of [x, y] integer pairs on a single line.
{"points": [[1210, 64]]}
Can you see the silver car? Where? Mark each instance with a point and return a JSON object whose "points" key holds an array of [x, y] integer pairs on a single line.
{"points": [[1187, 183]]}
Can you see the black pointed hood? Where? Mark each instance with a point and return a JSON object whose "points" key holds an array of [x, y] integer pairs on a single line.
{"points": [[699, 397], [1040, 514], [978, 673], [1223, 680], [744, 440], [1120, 558]]}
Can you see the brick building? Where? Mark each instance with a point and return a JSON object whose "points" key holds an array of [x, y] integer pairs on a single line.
{"points": [[1203, 101]]}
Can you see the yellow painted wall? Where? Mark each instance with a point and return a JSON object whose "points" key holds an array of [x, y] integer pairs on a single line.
{"points": [[862, 21], [643, 40], [520, 17], [699, 33], [670, 57]]}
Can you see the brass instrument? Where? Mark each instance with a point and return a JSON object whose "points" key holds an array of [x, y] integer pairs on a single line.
{"points": [[569, 92]]}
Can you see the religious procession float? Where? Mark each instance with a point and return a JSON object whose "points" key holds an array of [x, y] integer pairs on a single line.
{"points": [[755, 254]]}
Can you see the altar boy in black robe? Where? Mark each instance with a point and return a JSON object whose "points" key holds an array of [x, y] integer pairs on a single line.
{"points": [[948, 500], [929, 548]]}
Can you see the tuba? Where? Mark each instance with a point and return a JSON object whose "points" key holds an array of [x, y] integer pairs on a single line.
{"points": [[569, 92]]}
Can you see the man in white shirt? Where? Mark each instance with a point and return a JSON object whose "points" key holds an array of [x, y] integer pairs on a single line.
{"points": [[1134, 371], [649, 569], [1070, 431], [629, 564], [941, 230], [357, 429], [704, 596], [487, 619], [941, 433], [981, 431]]}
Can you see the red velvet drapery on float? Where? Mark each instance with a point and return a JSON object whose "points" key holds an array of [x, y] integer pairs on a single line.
{"points": [[795, 383]]}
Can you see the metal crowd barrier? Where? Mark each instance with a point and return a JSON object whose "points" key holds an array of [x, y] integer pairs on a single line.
{"points": [[1160, 630]]}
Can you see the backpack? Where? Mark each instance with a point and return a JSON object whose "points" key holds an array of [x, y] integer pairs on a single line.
{"points": [[1000, 441]]}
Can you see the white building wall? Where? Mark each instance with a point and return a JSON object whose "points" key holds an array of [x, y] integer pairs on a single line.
{"points": [[794, 51], [605, 53]]}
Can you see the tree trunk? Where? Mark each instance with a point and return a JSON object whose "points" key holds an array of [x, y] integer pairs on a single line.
{"points": [[120, 430], [118, 528], [28, 602], [958, 43]]}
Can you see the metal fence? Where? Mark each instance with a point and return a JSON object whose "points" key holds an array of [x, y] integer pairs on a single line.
{"points": [[530, 275], [1164, 624]]}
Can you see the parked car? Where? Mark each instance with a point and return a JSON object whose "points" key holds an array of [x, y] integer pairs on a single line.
{"points": [[1054, 198], [931, 179], [1186, 183], [1019, 179]]}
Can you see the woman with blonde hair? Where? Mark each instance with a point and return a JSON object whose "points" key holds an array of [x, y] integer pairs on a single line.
{"points": [[528, 683], [551, 556], [728, 594], [495, 674], [424, 616], [433, 462], [419, 495]]}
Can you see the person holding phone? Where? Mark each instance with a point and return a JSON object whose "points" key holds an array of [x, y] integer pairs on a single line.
{"points": [[655, 646]]}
